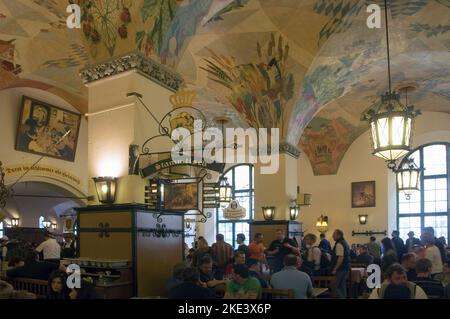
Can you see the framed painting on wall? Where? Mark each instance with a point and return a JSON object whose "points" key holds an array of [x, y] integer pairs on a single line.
{"points": [[47, 130], [363, 194], [181, 196]]}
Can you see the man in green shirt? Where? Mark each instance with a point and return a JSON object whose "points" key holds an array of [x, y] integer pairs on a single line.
{"points": [[243, 286]]}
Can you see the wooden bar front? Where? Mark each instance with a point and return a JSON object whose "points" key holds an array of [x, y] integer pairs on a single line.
{"points": [[130, 232]]}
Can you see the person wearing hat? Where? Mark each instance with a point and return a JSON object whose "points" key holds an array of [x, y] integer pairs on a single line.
{"points": [[411, 241], [50, 248]]}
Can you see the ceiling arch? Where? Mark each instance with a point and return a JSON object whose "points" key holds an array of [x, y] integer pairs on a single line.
{"points": [[305, 66]]}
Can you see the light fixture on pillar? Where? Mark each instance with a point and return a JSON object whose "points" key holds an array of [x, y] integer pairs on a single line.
{"points": [[54, 226], [106, 189], [391, 123], [15, 222], [362, 219], [294, 210], [47, 224], [322, 224], [408, 178], [224, 192], [268, 212]]}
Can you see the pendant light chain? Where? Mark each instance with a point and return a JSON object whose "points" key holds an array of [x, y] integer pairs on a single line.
{"points": [[387, 45]]}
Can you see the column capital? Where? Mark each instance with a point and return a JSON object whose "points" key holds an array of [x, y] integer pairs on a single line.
{"points": [[287, 148], [133, 61]]}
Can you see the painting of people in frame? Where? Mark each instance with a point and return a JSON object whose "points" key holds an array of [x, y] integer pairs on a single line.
{"points": [[363, 194], [181, 196], [47, 130]]}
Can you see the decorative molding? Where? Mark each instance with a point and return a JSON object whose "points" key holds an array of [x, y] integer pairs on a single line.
{"points": [[287, 148], [133, 61]]}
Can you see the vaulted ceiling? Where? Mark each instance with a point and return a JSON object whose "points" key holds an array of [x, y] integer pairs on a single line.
{"points": [[309, 67]]}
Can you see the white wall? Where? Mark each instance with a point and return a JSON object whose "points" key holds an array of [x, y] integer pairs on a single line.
{"points": [[9, 117], [331, 193]]}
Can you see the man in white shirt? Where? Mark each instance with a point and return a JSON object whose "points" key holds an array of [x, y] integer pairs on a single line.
{"points": [[433, 254], [396, 275], [50, 248]]}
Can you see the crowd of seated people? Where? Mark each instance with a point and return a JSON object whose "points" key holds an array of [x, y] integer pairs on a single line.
{"points": [[417, 269], [42, 263]]}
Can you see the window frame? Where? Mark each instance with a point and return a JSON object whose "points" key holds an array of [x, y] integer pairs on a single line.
{"points": [[250, 191], [41, 223], [422, 214]]}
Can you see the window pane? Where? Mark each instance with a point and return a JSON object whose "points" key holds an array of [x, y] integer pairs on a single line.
{"points": [[411, 206], [244, 201], [406, 224], [242, 178], [1, 229], [435, 160], [243, 228], [226, 229], [435, 192], [439, 223]]}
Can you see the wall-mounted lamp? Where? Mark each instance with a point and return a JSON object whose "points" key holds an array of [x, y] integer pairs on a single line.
{"points": [[294, 210], [268, 212], [106, 189], [304, 199], [322, 224], [47, 224], [362, 219], [54, 226], [15, 222]]}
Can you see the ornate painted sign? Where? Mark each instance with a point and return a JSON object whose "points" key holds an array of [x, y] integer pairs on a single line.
{"points": [[234, 211]]}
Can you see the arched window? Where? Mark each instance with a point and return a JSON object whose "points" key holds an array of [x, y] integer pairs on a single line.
{"points": [[430, 206], [241, 180], [41, 222]]}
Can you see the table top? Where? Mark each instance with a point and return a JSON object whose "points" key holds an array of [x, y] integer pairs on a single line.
{"points": [[318, 291]]}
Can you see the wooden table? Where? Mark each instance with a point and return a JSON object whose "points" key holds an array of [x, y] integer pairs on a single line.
{"points": [[318, 291]]}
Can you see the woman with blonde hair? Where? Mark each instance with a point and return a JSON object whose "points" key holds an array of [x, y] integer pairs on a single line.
{"points": [[202, 250], [313, 253]]}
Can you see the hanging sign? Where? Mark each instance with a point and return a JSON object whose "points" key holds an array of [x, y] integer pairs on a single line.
{"points": [[168, 163], [234, 211]]}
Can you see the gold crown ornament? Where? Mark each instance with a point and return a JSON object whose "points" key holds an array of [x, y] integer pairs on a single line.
{"points": [[183, 98]]}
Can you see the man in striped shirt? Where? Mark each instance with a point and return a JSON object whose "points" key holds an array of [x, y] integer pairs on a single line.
{"points": [[222, 253]]}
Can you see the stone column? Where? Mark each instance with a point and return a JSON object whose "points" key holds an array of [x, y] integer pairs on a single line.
{"points": [[116, 121], [280, 188]]}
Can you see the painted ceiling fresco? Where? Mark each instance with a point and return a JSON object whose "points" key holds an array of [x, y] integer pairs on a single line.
{"points": [[309, 67]]}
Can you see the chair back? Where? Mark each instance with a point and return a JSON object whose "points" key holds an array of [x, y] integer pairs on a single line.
{"points": [[271, 293], [35, 286]]}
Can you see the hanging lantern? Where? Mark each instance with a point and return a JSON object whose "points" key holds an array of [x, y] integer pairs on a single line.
{"points": [[391, 125], [408, 178], [390, 122], [224, 192]]}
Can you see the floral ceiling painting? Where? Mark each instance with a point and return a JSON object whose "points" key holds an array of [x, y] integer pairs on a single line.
{"points": [[259, 91], [308, 67]]}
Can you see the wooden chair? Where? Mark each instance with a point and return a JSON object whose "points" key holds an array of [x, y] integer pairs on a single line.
{"points": [[271, 293], [35, 286]]}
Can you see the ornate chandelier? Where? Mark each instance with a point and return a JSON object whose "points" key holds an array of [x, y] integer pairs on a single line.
{"points": [[391, 123]]}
